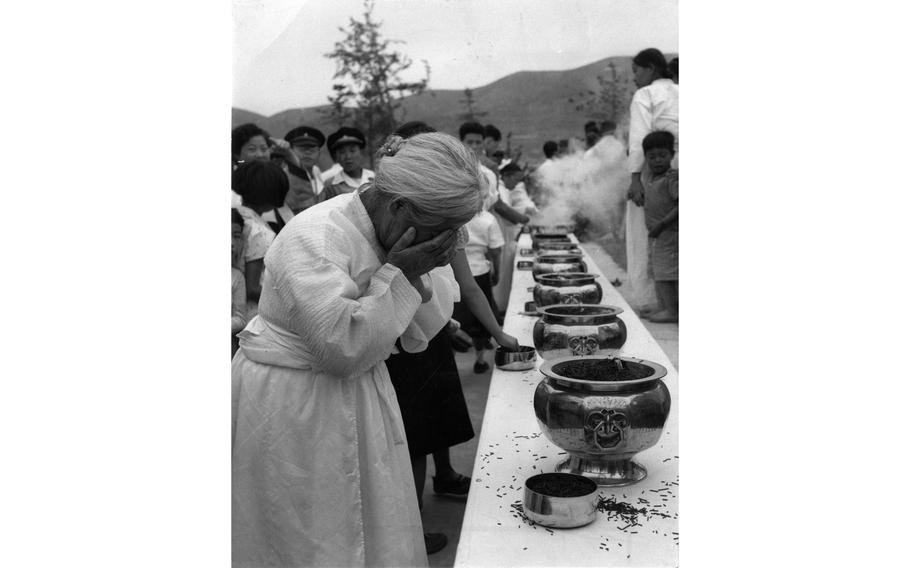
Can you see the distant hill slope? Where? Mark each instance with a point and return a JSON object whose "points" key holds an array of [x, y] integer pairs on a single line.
{"points": [[534, 105]]}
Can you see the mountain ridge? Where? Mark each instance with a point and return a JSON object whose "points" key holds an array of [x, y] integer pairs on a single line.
{"points": [[535, 106]]}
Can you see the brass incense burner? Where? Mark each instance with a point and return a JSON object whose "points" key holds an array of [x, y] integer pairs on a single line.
{"points": [[602, 410], [567, 288], [565, 330]]}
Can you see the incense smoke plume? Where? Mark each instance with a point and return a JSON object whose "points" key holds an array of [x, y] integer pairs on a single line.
{"points": [[592, 185]]}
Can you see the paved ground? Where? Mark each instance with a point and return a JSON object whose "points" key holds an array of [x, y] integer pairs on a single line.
{"points": [[443, 514]]}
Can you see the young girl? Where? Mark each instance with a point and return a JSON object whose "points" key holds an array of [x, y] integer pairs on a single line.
{"points": [[483, 252], [238, 285], [262, 186]]}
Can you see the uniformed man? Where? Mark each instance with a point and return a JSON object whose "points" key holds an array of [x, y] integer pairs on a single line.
{"points": [[304, 176], [346, 147]]}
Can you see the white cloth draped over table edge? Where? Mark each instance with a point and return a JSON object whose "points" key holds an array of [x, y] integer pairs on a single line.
{"points": [[321, 472]]}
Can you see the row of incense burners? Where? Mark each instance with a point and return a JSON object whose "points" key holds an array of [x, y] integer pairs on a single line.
{"points": [[567, 298], [601, 407]]}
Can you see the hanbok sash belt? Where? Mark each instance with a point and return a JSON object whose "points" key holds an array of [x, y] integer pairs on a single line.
{"points": [[270, 344]]}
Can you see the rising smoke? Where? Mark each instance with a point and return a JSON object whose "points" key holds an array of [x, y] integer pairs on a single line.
{"points": [[590, 184]]}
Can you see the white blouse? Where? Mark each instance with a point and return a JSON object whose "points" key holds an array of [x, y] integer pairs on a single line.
{"points": [[655, 107]]}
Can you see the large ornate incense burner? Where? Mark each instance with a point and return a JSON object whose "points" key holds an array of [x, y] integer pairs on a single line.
{"points": [[541, 238], [567, 288], [559, 229], [557, 262], [549, 247], [602, 410], [577, 330]]}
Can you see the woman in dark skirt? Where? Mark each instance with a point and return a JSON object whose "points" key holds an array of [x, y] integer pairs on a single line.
{"points": [[434, 411]]}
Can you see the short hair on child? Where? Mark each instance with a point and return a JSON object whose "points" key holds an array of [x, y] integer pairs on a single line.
{"points": [[243, 133], [260, 183], [659, 139], [549, 148], [470, 128], [236, 217], [490, 131]]}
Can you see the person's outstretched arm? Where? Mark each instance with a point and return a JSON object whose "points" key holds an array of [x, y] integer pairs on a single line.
{"points": [[473, 297]]}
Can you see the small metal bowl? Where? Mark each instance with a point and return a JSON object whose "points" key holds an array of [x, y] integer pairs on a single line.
{"points": [[577, 509], [522, 360]]}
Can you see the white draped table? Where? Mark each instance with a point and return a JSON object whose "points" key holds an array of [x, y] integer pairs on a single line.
{"points": [[639, 526]]}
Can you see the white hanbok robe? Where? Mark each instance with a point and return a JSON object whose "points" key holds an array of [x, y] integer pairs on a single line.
{"points": [[321, 472], [654, 107]]}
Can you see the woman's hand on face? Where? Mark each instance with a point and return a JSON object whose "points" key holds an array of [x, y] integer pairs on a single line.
{"points": [[507, 341], [414, 260]]}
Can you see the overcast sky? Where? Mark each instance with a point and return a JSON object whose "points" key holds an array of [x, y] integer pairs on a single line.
{"points": [[279, 44]]}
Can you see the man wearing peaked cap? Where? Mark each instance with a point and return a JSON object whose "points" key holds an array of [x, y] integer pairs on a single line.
{"points": [[346, 147], [305, 135], [305, 179], [345, 135]]}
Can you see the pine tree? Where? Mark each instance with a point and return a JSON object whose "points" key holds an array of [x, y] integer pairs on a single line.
{"points": [[369, 88]]}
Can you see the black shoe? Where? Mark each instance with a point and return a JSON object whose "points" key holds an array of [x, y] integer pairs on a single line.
{"points": [[481, 367], [434, 542], [457, 486]]}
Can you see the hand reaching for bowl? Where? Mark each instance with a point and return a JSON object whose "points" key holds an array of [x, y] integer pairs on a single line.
{"points": [[507, 341]]}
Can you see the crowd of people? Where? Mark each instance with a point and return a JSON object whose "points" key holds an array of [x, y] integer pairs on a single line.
{"points": [[351, 290]]}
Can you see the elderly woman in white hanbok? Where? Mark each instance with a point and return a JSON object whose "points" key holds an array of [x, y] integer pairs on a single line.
{"points": [[655, 106], [321, 474]]}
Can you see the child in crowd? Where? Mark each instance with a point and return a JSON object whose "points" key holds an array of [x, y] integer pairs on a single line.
{"points": [[262, 187], [513, 177], [661, 184], [483, 251], [238, 284]]}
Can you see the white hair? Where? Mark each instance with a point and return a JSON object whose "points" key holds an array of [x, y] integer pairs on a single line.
{"points": [[434, 173]]}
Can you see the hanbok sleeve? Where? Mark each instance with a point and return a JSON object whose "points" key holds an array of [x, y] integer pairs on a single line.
{"points": [[344, 331], [434, 314], [640, 118]]}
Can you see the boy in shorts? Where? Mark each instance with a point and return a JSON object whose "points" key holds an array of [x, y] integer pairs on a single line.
{"points": [[661, 183]]}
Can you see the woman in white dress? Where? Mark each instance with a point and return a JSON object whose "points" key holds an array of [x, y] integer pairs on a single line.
{"points": [[655, 106], [321, 474]]}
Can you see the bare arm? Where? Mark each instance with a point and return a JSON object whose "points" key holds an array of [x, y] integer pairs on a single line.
{"points": [[473, 297], [510, 214], [636, 190], [668, 220], [283, 148], [253, 275]]}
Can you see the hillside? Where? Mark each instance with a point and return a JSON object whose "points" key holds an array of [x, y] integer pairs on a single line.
{"points": [[534, 105]]}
